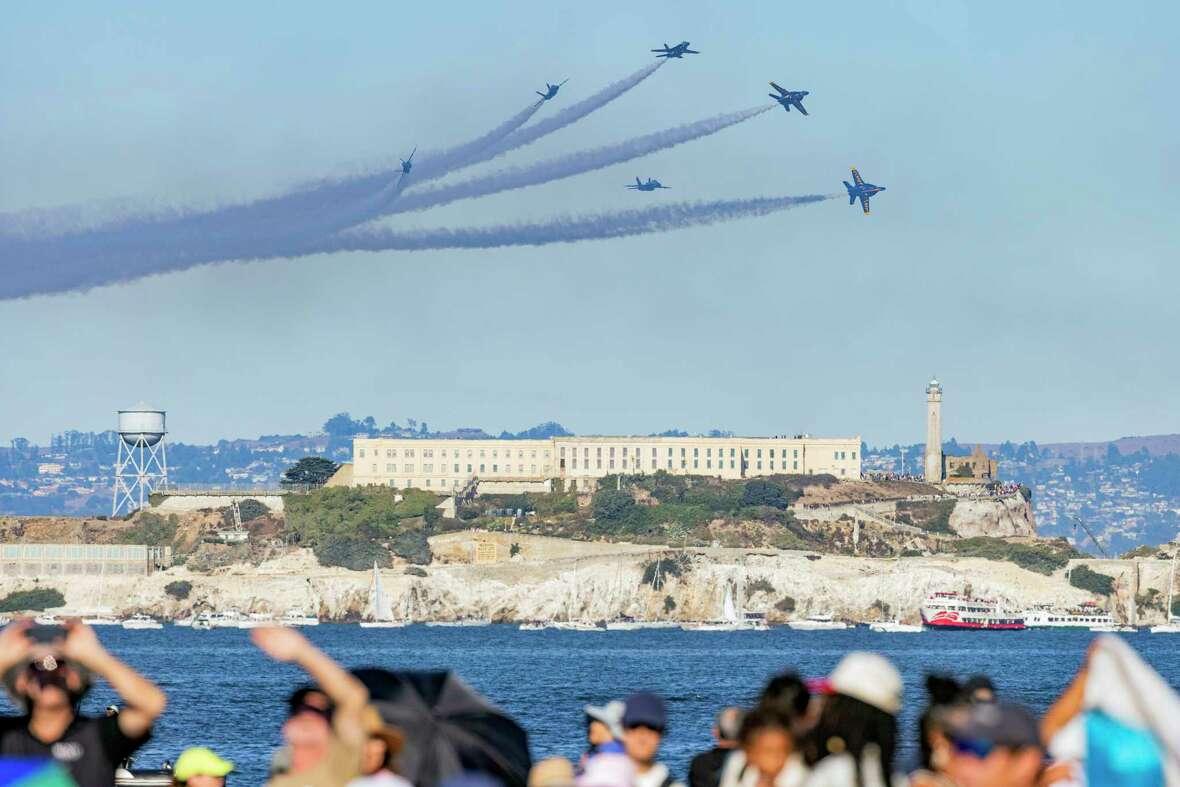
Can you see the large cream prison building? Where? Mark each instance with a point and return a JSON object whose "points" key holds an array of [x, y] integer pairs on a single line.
{"points": [[443, 465]]}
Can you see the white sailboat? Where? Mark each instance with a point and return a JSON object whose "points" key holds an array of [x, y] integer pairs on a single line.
{"points": [[380, 609], [1173, 624], [582, 624], [730, 620]]}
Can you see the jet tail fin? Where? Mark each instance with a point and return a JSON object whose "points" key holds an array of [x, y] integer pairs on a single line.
{"points": [[851, 194]]}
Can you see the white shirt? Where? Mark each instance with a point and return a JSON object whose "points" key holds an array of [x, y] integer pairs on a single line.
{"points": [[655, 776], [380, 779]]}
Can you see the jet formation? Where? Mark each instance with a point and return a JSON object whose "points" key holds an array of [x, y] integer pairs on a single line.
{"points": [[789, 98], [678, 51], [858, 189], [651, 184], [550, 90]]}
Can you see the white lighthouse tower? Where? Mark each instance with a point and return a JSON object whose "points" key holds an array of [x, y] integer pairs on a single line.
{"points": [[934, 432], [142, 464]]}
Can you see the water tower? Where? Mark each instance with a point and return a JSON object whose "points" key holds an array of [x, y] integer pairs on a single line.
{"points": [[142, 464]]}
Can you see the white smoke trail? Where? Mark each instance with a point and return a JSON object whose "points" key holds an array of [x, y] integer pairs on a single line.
{"points": [[574, 112], [68, 268], [570, 164], [639, 221]]}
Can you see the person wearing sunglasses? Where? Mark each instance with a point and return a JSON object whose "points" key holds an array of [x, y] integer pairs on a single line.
{"points": [[47, 670], [993, 743]]}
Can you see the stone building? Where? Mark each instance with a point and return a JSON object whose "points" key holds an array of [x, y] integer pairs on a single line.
{"points": [[978, 468]]}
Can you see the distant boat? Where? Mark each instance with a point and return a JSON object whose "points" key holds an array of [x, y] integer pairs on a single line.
{"points": [[185, 622], [818, 623], [141, 621], [255, 620], [297, 617], [380, 607], [47, 619], [1173, 624], [730, 620], [577, 625], [534, 625], [460, 623], [101, 620], [954, 612], [895, 627], [1113, 628]]}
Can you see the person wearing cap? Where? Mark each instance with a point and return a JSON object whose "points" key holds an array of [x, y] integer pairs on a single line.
{"points": [[854, 740], [645, 719], [705, 769], [47, 671], [324, 732], [993, 743], [604, 729], [380, 752], [200, 767]]}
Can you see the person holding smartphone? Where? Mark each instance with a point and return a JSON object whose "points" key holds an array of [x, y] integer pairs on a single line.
{"points": [[47, 670]]}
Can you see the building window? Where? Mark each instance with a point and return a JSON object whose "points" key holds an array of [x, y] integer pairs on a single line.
{"points": [[428, 468], [520, 469], [374, 468], [409, 468], [599, 463], [612, 451], [574, 463], [669, 453], [362, 454], [759, 465], [428, 482], [795, 454], [481, 467], [495, 468], [731, 453], [393, 483], [653, 464], [469, 468], [695, 464], [563, 452], [653, 450], [457, 468], [794, 465], [624, 450], [682, 452], [759, 453], [612, 464], [669, 461], [854, 456]]}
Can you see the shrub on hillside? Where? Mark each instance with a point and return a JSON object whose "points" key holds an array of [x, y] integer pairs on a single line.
{"points": [[1041, 558], [351, 552], [760, 585], [32, 600], [785, 604], [656, 572], [1088, 579], [669, 605], [151, 529], [252, 509], [765, 493], [467, 514], [179, 590], [413, 546], [414, 571]]}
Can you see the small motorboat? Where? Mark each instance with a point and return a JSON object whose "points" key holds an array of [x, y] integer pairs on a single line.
{"points": [[142, 621]]}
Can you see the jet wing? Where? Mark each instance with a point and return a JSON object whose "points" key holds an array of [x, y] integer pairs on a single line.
{"points": [[856, 178], [799, 106], [780, 90], [864, 203]]}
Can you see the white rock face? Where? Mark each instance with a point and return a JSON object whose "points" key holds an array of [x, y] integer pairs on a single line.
{"points": [[1000, 516], [604, 586]]}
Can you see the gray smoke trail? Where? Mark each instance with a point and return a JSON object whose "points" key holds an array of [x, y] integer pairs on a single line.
{"points": [[325, 206], [639, 221], [574, 112], [569, 165], [68, 269]]}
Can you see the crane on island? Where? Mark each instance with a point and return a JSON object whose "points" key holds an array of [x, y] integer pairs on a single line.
{"points": [[1078, 521]]}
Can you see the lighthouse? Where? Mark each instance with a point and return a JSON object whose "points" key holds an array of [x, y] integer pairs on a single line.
{"points": [[934, 432]]}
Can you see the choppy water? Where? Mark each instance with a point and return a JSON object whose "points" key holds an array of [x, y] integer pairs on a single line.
{"points": [[225, 694]]}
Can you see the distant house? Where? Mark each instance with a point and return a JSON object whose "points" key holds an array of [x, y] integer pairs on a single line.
{"points": [[976, 468]]}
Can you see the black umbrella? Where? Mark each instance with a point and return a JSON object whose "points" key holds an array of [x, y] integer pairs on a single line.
{"points": [[449, 728]]}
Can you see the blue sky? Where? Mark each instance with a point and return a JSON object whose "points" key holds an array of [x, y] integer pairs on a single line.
{"points": [[1025, 251]]}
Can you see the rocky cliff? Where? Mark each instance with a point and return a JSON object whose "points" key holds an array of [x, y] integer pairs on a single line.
{"points": [[605, 585]]}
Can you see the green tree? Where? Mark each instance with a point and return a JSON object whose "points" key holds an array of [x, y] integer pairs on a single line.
{"points": [[785, 604], [352, 553], [765, 493], [1090, 580], [669, 605], [179, 589], [32, 600], [309, 471]]}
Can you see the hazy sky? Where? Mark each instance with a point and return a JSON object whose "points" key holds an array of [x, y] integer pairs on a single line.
{"points": [[1026, 250]]}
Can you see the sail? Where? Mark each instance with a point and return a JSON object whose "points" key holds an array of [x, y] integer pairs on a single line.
{"points": [[380, 607], [728, 613]]}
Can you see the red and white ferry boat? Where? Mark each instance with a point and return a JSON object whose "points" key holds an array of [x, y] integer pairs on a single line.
{"points": [[955, 611]]}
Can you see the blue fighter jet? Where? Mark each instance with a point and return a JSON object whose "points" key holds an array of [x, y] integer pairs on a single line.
{"points": [[550, 90], [678, 51], [651, 184], [408, 163], [858, 189], [789, 98]]}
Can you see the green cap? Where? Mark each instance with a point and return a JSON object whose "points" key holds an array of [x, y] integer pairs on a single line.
{"points": [[200, 761]]}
